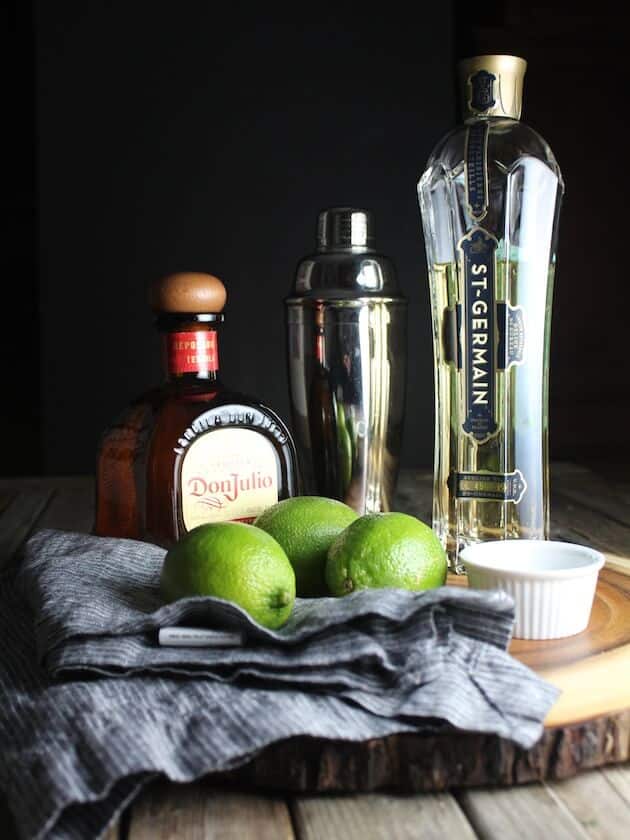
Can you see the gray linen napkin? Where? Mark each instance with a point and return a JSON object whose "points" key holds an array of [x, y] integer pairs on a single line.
{"points": [[76, 748]]}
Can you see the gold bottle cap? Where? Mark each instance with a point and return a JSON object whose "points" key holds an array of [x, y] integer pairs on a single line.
{"points": [[188, 292], [492, 86]]}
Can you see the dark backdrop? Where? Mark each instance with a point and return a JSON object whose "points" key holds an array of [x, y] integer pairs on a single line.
{"points": [[190, 136], [177, 139]]}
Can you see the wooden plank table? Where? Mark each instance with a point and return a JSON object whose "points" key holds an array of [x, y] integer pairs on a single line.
{"points": [[594, 804]]}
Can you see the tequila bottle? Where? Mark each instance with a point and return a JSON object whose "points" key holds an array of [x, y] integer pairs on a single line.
{"points": [[191, 450], [490, 200]]}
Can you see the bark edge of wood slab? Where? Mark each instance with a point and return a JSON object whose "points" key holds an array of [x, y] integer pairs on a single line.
{"points": [[421, 763]]}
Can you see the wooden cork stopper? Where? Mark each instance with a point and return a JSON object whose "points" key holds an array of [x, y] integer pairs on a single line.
{"points": [[188, 292]]}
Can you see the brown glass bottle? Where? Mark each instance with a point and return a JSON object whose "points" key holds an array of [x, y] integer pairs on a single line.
{"points": [[190, 451]]}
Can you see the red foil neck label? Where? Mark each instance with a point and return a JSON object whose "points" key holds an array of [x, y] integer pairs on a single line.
{"points": [[192, 352]]}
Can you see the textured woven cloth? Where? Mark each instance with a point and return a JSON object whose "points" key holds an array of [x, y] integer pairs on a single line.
{"points": [[93, 707]]}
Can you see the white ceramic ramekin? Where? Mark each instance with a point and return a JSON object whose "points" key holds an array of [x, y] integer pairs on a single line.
{"points": [[552, 583]]}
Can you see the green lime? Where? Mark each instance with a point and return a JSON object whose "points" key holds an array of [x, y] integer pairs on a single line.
{"points": [[305, 527], [385, 550], [236, 562]]}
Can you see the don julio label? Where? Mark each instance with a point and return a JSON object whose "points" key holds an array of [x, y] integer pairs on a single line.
{"points": [[227, 475]]}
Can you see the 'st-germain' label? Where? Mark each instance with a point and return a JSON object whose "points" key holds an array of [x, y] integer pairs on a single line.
{"points": [[192, 352], [478, 254]]}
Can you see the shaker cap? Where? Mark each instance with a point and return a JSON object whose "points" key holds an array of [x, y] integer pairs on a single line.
{"points": [[346, 266], [188, 292], [341, 228]]}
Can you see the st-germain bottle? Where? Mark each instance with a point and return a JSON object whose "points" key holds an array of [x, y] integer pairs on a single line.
{"points": [[490, 200], [190, 451]]}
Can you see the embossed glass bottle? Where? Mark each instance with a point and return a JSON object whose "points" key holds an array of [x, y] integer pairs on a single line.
{"points": [[190, 451], [490, 200]]}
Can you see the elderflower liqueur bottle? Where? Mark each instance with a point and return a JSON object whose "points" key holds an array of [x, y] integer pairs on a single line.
{"points": [[190, 451], [490, 201]]}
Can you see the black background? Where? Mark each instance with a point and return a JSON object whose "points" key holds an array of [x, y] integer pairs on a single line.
{"points": [[149, 138]]}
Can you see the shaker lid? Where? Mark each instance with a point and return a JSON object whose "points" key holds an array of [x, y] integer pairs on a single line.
{"points": [[188, 292], [341, 228], [346, 265]]}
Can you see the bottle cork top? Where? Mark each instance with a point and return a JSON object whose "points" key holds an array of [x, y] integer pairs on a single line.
{"points": [[188, 292]]}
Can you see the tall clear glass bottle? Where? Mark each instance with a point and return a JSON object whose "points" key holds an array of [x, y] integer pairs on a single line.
{"points": [[490, 201]]}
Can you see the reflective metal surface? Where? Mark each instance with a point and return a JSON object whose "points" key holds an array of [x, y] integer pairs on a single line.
{"points": [[347, 345]]}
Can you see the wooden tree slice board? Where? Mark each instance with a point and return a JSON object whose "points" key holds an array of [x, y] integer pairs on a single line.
{"points": [[591, 669], [589, 726]]}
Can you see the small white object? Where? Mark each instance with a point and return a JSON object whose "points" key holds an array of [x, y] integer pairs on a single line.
{"points": [[197, 637], [552, 583]]}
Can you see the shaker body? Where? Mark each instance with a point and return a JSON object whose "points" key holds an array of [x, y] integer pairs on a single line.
{"points": [[347, 355], [347, 375]]}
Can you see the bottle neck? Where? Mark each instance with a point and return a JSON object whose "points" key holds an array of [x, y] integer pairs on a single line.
{"points": [[190, 347]]}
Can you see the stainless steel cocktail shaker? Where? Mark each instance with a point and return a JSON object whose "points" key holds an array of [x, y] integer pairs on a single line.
{"points": [[347, 346]]}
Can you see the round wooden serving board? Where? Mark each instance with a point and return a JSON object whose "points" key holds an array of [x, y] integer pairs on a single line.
{"points": [[589, 726], [592, 669]]}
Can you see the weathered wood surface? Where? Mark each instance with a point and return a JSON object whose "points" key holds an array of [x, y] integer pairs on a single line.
{"points": [[520, 814], [19, 513], [619, 778], [594, 804], [196, 812], [432, 817]]}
